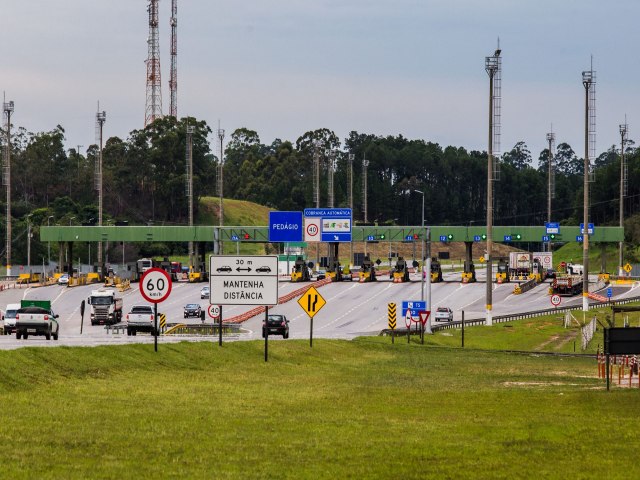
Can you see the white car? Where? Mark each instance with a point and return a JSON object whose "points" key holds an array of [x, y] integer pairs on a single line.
{"points": [[443, 314], [204, 293], [63, 279]]}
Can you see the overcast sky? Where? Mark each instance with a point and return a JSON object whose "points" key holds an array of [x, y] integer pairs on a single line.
{"points": [[284, 67]]}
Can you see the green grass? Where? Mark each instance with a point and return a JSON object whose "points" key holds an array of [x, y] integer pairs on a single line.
{"points": [[361, 409]]}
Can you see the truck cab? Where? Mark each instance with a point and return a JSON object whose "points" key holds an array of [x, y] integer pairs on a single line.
{"points": [[106, 308]]}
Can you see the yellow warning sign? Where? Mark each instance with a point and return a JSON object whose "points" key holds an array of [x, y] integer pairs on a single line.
{"points": [[627, 268], [311, 302], [481, 259]]}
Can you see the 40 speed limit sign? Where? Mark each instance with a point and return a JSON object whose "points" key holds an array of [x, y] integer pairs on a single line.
{"points": [[155, 285]]}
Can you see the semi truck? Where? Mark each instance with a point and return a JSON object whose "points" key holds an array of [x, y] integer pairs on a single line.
{"points": [[106, 307], [35, 317], [569, 281]]}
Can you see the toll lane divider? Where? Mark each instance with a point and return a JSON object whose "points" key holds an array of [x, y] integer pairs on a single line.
{"points": [[243, 317]]}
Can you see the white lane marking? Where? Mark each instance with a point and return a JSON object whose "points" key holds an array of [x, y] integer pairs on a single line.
{"points": [[367, 300]]}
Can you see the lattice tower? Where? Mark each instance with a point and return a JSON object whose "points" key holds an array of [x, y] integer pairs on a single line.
{"points": [[7, 108], [173, 79], [153, 107]]}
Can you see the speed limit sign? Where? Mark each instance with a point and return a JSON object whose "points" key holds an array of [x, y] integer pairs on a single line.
{"points": [[555, 300], [214, 311], [155, 285]]}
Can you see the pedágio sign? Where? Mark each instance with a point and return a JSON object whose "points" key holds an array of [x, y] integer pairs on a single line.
{"points": [[285, 227]]}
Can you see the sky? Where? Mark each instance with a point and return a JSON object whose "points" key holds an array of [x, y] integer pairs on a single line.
{"points": [[285, 67]]}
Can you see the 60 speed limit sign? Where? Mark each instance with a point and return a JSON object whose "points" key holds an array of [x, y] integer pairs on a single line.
{"points": [[155, 285]]}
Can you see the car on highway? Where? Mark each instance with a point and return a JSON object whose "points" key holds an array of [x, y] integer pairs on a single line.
{"points": [[443, 314], [205, 292], [192, 310], [276, 324], [141, 318], [224, 268], [63, 279], [264, 269], [321, 274], [36, 321]]}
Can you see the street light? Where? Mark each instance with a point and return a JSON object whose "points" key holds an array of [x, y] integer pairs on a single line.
{"points": [[71, 219], [423, 259]]}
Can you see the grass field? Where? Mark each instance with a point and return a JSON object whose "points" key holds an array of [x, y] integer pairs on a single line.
{"points": [[361, 409]]}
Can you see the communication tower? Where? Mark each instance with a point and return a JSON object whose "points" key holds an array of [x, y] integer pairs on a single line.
{"points": [[7, 108], [316, 172], [153, 107], [551, 177], [173, 79], [589, 84], [101, 117], [624, 175], [330, 171], [189, 186]]}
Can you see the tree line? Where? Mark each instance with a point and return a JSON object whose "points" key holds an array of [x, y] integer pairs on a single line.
{"points": [[144, 179]]}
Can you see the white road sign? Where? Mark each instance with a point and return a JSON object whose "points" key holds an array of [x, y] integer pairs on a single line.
{"points": [[247, 280], [155, 285], [312, 229]]}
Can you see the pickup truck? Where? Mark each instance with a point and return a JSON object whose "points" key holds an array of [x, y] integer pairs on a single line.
{"points": [[443, 314], [140, 319], [35, 317]]}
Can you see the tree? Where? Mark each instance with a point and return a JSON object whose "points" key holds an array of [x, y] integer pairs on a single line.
{"points": [[519, 157]]}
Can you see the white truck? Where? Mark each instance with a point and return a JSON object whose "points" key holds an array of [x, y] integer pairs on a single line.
{"points": [[35, 317], [140, 319], [106, 308], [9, 318]]}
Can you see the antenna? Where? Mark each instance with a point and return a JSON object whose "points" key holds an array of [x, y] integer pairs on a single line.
{"points": [[153, 108], [316, 172], [173, 79], [624, 176]]}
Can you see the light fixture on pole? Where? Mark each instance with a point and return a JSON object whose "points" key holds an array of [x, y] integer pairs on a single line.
{"points": [[29, 241]]}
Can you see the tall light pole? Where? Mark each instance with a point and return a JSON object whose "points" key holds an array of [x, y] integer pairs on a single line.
{"points": [[351, 157], [551, 138], [492, 67], [422, 235], [190, 131], [623, 185], [101, 117], [221, 181], [588, 81], [8, 108], [49, 244], [29, 242]]}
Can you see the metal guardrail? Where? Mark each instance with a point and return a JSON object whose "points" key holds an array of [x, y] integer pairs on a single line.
{"points": [[183, 329], [533, 313]]}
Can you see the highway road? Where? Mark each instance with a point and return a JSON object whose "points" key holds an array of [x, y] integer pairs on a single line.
{"points": [[352, 308]]}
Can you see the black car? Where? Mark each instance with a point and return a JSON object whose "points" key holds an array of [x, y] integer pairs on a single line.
{"points": [[192, 310], [263, 270], [224, 268], [277, 324]]}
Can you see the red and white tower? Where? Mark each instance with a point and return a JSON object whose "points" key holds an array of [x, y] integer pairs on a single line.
{"points": [[153, 107], [173, 80]]}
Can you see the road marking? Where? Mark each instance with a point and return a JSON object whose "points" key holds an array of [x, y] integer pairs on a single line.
{"points": [[364, 302]]}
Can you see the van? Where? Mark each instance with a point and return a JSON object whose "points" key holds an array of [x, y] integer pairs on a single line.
{"points": [[9, 318]]}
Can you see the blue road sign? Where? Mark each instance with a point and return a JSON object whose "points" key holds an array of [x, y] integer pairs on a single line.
{"points": [[552, 227], [409, 238], [545, 238], [327, 212], [589, 228], [415, 306], [285, 226], [371, 238], [477, 238], [507, 238], [443, 238], [609, 292], [235, 238], [335, 223], [579, 238]]}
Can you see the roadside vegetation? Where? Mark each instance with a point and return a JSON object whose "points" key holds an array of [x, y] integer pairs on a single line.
{"points": [[360, 409]]}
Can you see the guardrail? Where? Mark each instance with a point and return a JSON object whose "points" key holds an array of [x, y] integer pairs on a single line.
{"points": [[183, 329], [533, 313]]}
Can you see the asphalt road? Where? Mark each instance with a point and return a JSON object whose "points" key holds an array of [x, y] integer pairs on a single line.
{"points": [[352, 308]]}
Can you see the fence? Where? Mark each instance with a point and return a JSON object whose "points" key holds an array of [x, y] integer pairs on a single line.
{"points": [[587, 332]]}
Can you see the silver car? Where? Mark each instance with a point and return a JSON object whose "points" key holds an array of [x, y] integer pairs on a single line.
{"points": [[205, 292]]}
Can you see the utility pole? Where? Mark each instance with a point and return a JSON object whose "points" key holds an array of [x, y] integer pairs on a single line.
{"points": [[588, 81], [330, 171], [8, 108], [365, 165], [624, 130], [492, 67], [351, 157]]}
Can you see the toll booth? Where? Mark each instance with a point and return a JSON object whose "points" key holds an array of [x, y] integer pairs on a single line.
{"points": [[300, 272], [436, 270], [334, 271], [469, 272], [401, 271], [502, 275], [367, 271]]}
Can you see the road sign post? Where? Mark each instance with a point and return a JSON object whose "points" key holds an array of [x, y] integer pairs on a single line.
{"points": [[215, 312], [311, 302], [155, 287]]}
